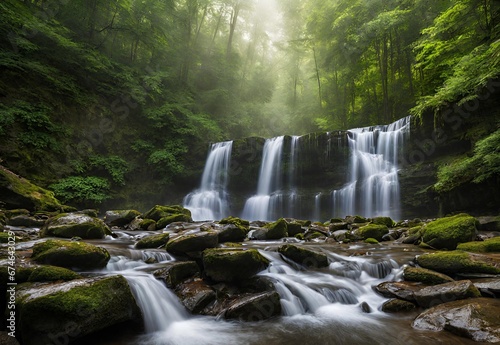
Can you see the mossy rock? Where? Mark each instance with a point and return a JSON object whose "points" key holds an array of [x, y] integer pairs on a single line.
{"points": [[396, 305], [26, 221], [197, 242], [147, 224], [70, 254], [371, 231], [387, 221], [426, 276], [73, 309], [336, 220], [491, 245], [180, 217], [294, 227], [277, 229], [159, 211], [242, 223], [355, 219], [448, 232], [232, 233], [431, 296], [371, 241], [47, 273], [457, 261], [300, 236], [251, 308], [4, 237], [232, 265], [120, 217], [153, 241], [69, 225], [303, 256], [177, 272]]}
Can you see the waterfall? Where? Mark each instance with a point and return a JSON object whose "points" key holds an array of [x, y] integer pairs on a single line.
{"points": [[264, 205], [373, 188], [210, 201]]}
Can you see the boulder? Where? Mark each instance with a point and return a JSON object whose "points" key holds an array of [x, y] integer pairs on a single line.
{"points": [[489, 287], [489, 223], [232, 233], [402, 290], [72, 254], [425, 276], [294, 227], [256, 307], [60, 313], [355, 220], [476, 319], [26, 221], [303, 256], [153, 241], [147, 224], [159, 211], [180, 217], [233, 265], [448, 232], [340, 235], [241, 223], [69, 225], [491, 245], [277, 230], [457, 261], [333, 227], [433, 295], [195, 294], [395, 305], [120, 218], [196, 242], [46, 273], [387, 221], [177, 272], [371, 231]]}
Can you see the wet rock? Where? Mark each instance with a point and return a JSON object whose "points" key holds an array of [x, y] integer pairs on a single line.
{"points": [[120, 218], [258, 234], [454, 262], [355, 219], [371, 231], [448, 232], [256, 307], [442, 293], [165, 215], [387, 221], [340, 235], [26, 221], [174, 218], [195, 295], [396, 305], [487, 246], [70, 225], [476, 319], [294, 227], [153, 241], [489, 223], [196, 242], [233, 265], [147, 224], [177, 272], [365, 308], [66, 311], [425, 276], [67, 254], [48, 273], [489, 287], [333, 227], [303, 256], [277, 230], [402, 290], [232, 233], [240, 223]]}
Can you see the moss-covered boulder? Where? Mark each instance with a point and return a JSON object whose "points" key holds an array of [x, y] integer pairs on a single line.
{"points": [[241, 223], [69, 225], [196, 242], [355, 220], [180, 217], [26, 221], [195, 295], [70, 254], [147, 224], [448, 232], [46, 273], [232, 233], [153, 241], [159, 211], [120, 217], [491, 245], [255, 307], [294, 227], [387, 221], [232, 265], [425, 276], [437, 294], [396, 305], [17, 192], [457, 261], [61, 313], [176, 272], [303, 256], [371, 231], [277, 229]]}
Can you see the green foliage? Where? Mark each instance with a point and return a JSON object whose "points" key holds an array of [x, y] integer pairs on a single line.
{"points": [[115, 166], [84, 190]]}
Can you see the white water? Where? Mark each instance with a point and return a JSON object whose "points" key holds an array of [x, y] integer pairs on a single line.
{"points": [[263, 205], [211, 201], [373, 189]]}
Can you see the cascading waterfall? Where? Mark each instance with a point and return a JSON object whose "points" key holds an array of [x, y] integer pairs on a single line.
{"points": [[373, 188], [263, 206], [211, 201]]}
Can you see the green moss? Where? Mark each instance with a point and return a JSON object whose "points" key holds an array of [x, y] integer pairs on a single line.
{"points": [[153, 241], [423, 275], [371, 241], [236, 221], [69, 225], [277, 230], [300, 236], [192, 243], [458, 262], [164, 221], [447, 232], [303, 256], [159, 211], [488, 246], [51, 273], [146, 223], [4, 237], [372, 231], [414, 230], [387, 221]]}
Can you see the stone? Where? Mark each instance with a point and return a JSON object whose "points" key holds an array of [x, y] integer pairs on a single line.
{"points": [[457, 261], [241, 223], [159, 211], [68, 225], [448, 232], [70, 310], [197, 242], [232, 233], [491, 245], [277, 230], [68, 254], [180, 217], [177, 272], [294, 227], [147, 224], [476, 319], [339, 235], [387, 221], [153, 241], [371, 231], [232, 265], [489, 223], [120, 218], [433, 295], [195, 295], [303, 256], [47, 273], [355, 219], [256, 307], [489, 287], [396, 305], [402, 290], [333, 227], [26, 221], [425, 276]]}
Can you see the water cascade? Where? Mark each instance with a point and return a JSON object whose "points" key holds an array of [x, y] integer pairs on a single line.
{"points": [[373, 188], [211, 200]]}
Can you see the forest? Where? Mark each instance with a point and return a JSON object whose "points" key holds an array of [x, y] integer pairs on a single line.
{"points": [[118, 99]]}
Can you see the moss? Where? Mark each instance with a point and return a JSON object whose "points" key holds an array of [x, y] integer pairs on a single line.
{"points": [[294, 228], [4, 237], [458, 262], [371, 241], [448, 232], [69, 225], [51, 273], [372, 231], [180, 217], [146, 223], [423, 275], [70, 254], [153, 241], [120, 217], [488, 246], [236, 221], [414, 230], [356, 220], [300, 236], [303, 256], [159, 211], [336, 220], [277, 229], [192, 243], [387, 221]]}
